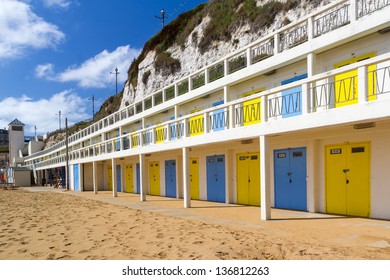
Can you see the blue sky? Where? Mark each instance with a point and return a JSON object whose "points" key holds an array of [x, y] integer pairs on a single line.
{"points": [[56, 54]]}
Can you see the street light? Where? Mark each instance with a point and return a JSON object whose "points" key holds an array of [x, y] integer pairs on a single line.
{"points": [[163, 17], [116, 79]]}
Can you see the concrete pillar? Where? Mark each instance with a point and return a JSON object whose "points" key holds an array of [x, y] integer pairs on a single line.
{"points": [[265, 186], [94, 174], [114, 192], [248, 56], [362, 85], [143, 172], [81, 176], [225, 94], [276, 43], [186, 178], [311, 63], [312, 175], [354, 10], [229, 176]]}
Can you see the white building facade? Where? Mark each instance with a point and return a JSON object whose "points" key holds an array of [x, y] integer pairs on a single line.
{"points": [[299, 119]]}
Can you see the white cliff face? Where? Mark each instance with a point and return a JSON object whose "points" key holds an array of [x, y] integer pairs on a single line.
{"points": [[191, 59]]}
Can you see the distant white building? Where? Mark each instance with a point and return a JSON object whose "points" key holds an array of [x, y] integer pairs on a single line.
{"points": [[16, 141]]}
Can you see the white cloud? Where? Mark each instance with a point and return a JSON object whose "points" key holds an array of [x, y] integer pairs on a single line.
{"points": [[95, 72], [44, 70], [42, 112], [22, 29], [57, 3]]}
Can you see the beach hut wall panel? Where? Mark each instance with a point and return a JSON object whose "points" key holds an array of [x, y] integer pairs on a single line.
{"points": [[22, 177], [170, 178], [290, 178], [88, 177], [216, 178]]}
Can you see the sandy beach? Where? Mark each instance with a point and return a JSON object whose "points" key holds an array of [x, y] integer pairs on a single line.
{"points": [[64, 225]]}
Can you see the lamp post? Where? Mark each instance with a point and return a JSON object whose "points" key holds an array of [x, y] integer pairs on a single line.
{"points": [[93, 106], [163, 17], [116, 73], [59, 119]]}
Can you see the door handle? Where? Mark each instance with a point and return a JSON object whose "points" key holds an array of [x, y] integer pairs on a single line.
{"points": [[347, 181], [345, 170]]}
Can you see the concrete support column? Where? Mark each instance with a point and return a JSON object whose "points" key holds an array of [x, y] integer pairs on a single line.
{"points": [[265, 186], [310, 28], [186, 177], [248, 56], [94, 177], [312, 175], [229, 176], [81, 176], [225, 94], [175, 108], [276, 43], [311, 64], [305, 99], [354, 10], [142, 173], [362, 84], [120, 139], [114, 192], [226, 67]]}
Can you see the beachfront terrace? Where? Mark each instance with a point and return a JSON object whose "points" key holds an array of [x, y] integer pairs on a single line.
{"points": [[299, 40]]}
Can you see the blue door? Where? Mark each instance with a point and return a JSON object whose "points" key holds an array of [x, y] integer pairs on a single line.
{"points": [[170, 178], [138, 177], [218, 118], [216, 178], [290, 179], [118, 178], [76, 178], [63, 176], [292, 98]]}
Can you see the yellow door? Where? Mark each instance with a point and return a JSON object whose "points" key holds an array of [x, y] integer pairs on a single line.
{"points": [[254, 179], [248, 179], [358, 187], [154, 177], [129, 178], [252, 108], [194, 178], [196, 124], [348, 179], [336, 193], [109, 172], [242, 179], [346, 84]]}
